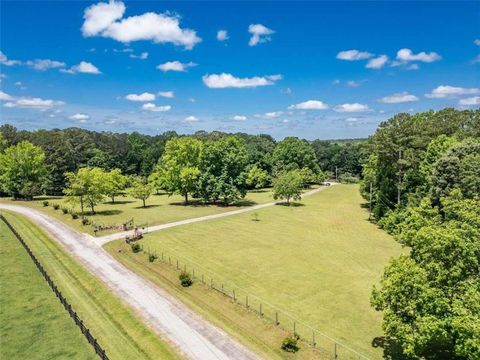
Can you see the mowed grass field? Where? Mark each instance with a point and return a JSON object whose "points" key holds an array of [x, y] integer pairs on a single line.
{"points": [[160, 209], [317, 261], [45, 330], [33, 323]]}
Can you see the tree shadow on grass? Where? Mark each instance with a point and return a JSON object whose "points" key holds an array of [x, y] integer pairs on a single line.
{"points": [[47, 198], [292, 204], [146, 206], [106, 212], [391, 349], [119, 202]]}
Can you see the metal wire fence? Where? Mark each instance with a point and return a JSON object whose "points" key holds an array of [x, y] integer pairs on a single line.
{"points": [[319, 341], [85, 331]]}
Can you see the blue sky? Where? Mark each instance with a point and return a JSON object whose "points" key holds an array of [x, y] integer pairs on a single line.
{"points": [[310, 69]]}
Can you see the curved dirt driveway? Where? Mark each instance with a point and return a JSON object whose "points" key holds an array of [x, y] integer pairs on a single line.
{"points": [[194, 337]]}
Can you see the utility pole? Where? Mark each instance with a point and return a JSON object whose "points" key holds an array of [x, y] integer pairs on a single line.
{"points": [[399, 186], [370, 202], [336, 173]]}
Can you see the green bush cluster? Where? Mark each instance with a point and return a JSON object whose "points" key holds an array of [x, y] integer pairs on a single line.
{"points": [[185, 279], [152, 257], [56, 206], [45, 203], [136, 247], [290, 344]]}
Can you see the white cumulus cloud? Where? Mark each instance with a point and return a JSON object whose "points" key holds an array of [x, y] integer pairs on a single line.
{"points": [[7, 62], [352, 107], [142, 56], [471, 101], [224, 80], [269, 115], [5, 97], [260, 34], [33, 103], [377, 62], [353, 55], [191, 118], [80, 117], [239, 117], [146, 96], [166, 94], [399, 98], [222, 35], [447, 91], [155, 108], [406, 55], [84, 67], [175, 66], [309, 105], [45, 64], [106, 19]]}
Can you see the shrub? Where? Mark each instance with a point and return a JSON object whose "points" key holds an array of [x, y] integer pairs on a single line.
{"points": [[65, 210], [152, 257], [45, 203], [74, 215], [56, 206], [185, 279], [290, 344], [85, 221], [136, 248]]}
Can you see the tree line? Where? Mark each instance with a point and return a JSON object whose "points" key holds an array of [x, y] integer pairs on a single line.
{"points": [[422, 180], [250, 161]]}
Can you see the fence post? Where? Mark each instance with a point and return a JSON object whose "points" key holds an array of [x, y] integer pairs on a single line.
{"points": [[193, 273], [246, 301], [177, 264], [185, 268], [234, 299], [170, 260], [211, 283], [313, 339], [294, 328], [276, 318], [203, 279], [261, 309], [335, 350]]}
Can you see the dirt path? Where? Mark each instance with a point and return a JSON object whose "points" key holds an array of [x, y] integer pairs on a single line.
{"points": [[121, 235], [194, 337]]}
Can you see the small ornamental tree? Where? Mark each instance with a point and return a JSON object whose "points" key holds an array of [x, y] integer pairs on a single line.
{"points": [[141, 190], [115, 182], [288, 185], [86, 187]]}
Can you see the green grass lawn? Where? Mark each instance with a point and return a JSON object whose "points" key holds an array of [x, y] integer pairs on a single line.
{"points": [[317, 261], [160, 209], [33, 323], [50, 332]]}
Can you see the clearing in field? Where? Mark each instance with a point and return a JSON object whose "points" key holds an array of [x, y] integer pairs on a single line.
{"points": [[33, 323], [43, 332], [316, 261]]}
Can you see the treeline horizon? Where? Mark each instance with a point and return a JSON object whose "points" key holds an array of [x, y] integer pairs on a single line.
{"points": [[67, 150]]}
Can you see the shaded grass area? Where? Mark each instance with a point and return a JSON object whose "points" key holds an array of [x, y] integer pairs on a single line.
{"points": [[33, 323], [160, 209], [317, 262], [116, 327]]}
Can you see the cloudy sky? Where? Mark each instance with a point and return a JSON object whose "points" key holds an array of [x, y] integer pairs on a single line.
{"points": [[311, 69]]}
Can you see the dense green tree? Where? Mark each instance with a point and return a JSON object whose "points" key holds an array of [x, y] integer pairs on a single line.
{"points": [[293, 153], [288, 185], [3, 142], [86, 187], [430, 296], [340, 156], [141, 190], [179, 166], [22, 170], [257, 178], [223, 166]]}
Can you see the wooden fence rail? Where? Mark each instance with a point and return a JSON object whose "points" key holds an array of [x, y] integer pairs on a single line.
{"points": [[85, 331]]}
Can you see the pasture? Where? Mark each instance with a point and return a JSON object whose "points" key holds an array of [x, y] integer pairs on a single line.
{"points": [[317, 260], [33, 323], [50, 333]]}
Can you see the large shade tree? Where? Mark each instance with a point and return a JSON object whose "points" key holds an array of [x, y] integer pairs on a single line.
{"points": [[86, 187], [22, 170]]}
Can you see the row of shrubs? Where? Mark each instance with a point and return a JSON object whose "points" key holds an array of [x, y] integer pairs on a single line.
{"points": [[289, 344], [73, 214]]}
